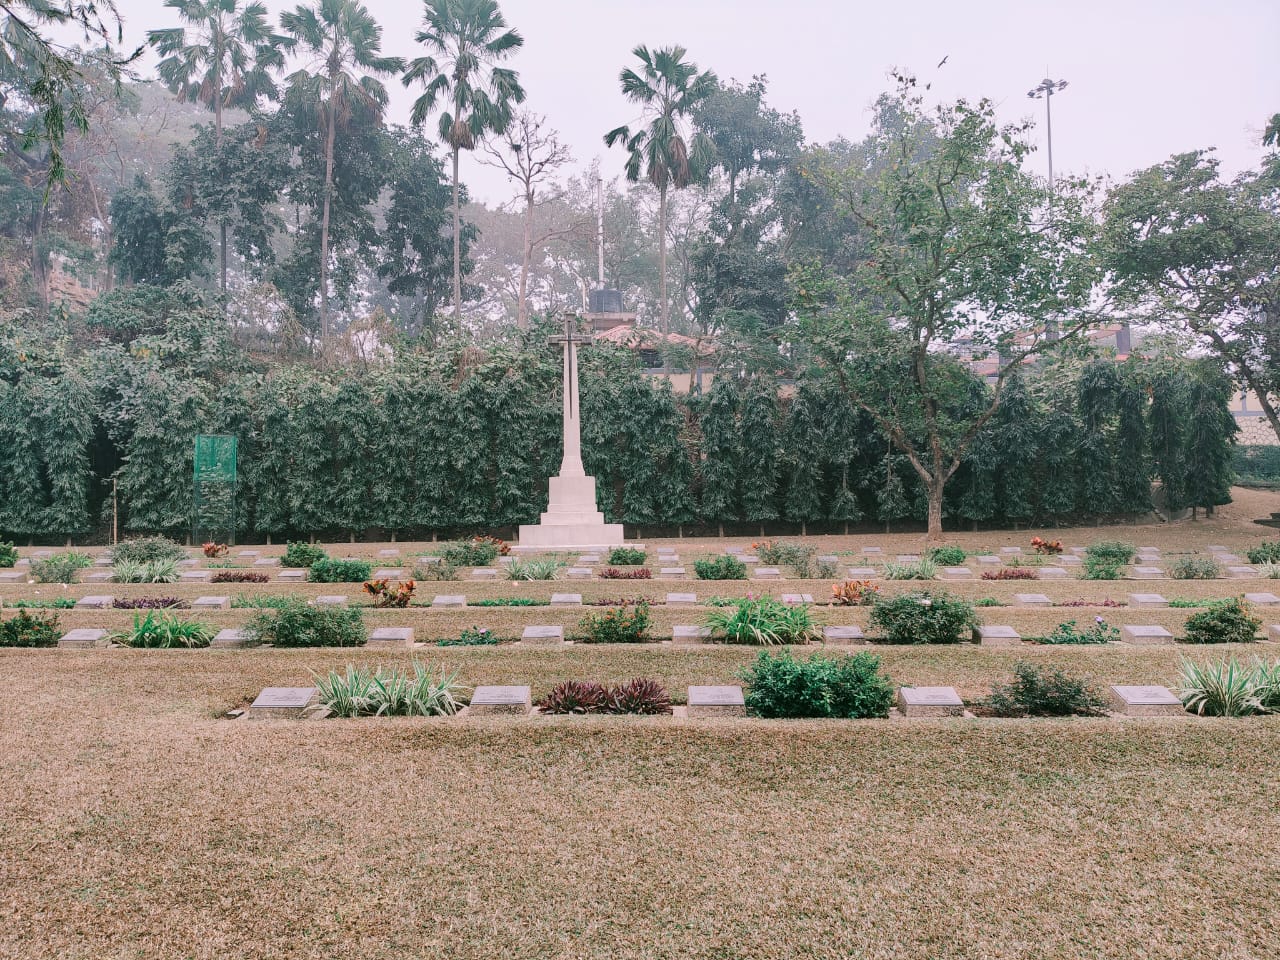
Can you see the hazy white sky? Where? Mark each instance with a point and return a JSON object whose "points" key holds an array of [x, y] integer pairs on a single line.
{"points": [[1147, 77]]}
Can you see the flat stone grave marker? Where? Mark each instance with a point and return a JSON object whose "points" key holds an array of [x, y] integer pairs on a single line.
{"points": [[1241, 573], [1053, 573], [733, 550], [1146, 701], [717, 701], [990, 559], [578, 573], [23, 562], [542, 635], [487, 701], [849, 634], [1147, 573], [1148, 549], [682, 599], [1147, 600], [390, 637], [282, 702], [566, 600], [195, 576], [1004, 550], [484, 573], [505, 561], [1273, 632], [267, 562], [1077, 551], [293, 574], [211, 603], [189, 562], [448, 601], [42, 554], [14, 576], [1263, 599], [434, 561], [671, 573], [1032, 600], [828, 558], [872, 550], [748, 558], [997, 635], [1148, 633], [767, 573], [102, 562], [331, 600], [1227, 558], [588, 559], [94, 603], [226, 639], [1069, 560], [908, 558], [864, 573], [930, 702], [248, 553], [955, 573], [797, 599], [99, 576], [83, 638], [388, 573], [388, 553], [683, 633]]}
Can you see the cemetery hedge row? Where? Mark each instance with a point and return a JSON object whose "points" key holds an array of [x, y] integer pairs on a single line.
{"points": [[465, 439]]}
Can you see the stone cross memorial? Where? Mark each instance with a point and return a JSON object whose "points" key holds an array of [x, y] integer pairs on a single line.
{"points": [[571, 520]]}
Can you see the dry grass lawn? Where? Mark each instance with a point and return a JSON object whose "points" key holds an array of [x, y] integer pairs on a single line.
{"points": [[136, 824]]}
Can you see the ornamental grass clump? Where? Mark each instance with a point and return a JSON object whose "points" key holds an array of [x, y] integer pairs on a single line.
{"points": [[765, 621], [1227, 688], [535, 568], [162, 631], [623, 624], [149, 571], [30, 630], [921, 617], [295, 623], [1224, 621], [339, 570], [722, 567], [924, 569], [1047, 692], [845, 688], [365, 691]]}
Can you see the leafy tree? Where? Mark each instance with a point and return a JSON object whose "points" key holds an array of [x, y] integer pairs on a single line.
{"points": [[667, 88], [156, 242], [344, 38], [959, 240], [224, 58], [466, 40], [1211, 431], [1198, 255]]}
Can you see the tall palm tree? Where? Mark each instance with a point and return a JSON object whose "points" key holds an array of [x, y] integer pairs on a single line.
{"points": [[343, 45], [465, 40], [225, 58], [667, 88]]}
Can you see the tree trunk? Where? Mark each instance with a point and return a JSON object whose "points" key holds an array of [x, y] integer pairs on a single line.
{"points": [[522, 315], [936, 487], [324, 227], [457, 248], [662, 259]]}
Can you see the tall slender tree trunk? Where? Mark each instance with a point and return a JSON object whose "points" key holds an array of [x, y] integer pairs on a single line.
{"points": [[324, 227], [217, 139], [662, 258], [522, 316], [936, 485], [457, 248]]}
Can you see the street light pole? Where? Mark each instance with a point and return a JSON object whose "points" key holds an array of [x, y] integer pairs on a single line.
{"points": [[1045, 91]]}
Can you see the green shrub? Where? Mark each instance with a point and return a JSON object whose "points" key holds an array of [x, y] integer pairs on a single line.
{"points": [[1048, 692], [150, 571], [54, 603], [722, 567], [509, 602], [1225, 621], [295, 623], [535, 568], [847, 687], [1066, 633], [921, 617], [626, 557], [146, 549], [163, 631], [61, 567], [30, 630], [989, 602], [263, 601], [624, 624], [920, 570], [1195, 568], [948, 556], [335, 570], [390, 692], [8, 554], [1186, 604], [1096, 568], [471, 637], [470, 553], [302, 554], [435, 571], [777, 553], [1118, 552], [1226, 688], [761, 620], [1268, 551]]}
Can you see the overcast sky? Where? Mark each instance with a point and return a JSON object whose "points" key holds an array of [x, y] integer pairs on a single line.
{"points": [[1147, 78]]}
